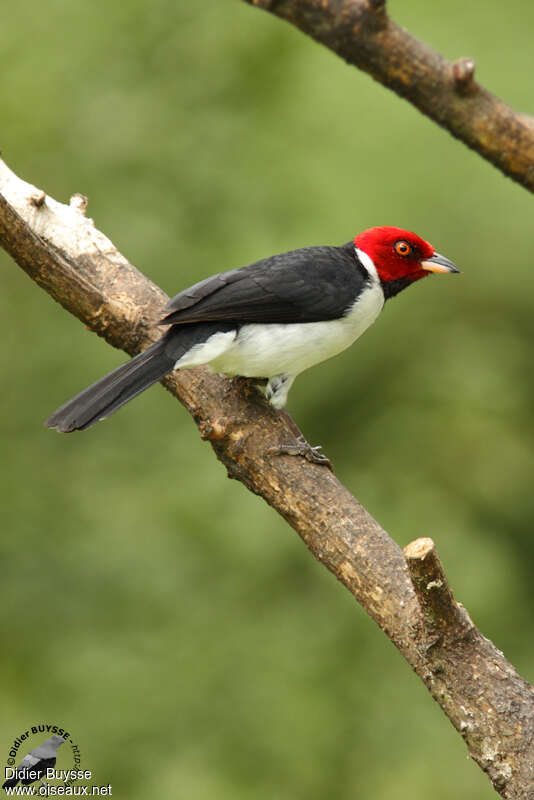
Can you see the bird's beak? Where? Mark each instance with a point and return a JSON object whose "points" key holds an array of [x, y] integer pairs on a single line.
{"points": [[437, 263]]}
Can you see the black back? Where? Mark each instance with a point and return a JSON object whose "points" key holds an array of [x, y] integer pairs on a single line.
{"points": [[307, 285]]}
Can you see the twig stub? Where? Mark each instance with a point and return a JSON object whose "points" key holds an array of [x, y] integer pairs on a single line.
{"points": [[441, 613], [79, 202], [463, 73], [38, 198]]}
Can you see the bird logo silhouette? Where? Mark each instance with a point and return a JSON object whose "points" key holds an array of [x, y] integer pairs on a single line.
{"points": [[34, 765]]}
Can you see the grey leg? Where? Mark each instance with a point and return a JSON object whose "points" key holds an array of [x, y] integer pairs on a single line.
{"points": [[277, 389]]}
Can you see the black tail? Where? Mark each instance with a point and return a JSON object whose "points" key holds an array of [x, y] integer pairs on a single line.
{"points": [[108, 394]]}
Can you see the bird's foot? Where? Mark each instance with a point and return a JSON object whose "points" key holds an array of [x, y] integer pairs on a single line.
{"points": [[304, 449]]}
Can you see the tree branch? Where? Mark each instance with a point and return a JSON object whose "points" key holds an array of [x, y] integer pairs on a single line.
{"points": [[361, 32], [408, 597]]}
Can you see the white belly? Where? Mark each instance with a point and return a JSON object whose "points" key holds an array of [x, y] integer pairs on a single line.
{"points": [[265, 350]]}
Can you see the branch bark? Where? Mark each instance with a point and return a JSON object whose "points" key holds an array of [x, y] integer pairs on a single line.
{"points": [[361, 32], [407, 595]]}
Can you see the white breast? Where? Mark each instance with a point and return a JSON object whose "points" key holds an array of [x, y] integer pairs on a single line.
{"points": [[265, 350]]}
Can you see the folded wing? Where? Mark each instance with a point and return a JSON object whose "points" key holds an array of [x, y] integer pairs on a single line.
{"points": [[307, 285]]}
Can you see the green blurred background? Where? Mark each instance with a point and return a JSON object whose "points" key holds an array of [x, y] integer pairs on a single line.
{"points": [[167, 617]]}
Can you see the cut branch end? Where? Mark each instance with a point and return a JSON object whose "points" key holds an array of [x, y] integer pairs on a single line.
{"points": [[441, 613]]}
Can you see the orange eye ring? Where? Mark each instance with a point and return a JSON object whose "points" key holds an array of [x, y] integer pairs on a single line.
{"points": [[402, 248]]}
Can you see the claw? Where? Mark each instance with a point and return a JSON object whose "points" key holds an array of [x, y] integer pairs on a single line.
{"points": [[304, 449]]}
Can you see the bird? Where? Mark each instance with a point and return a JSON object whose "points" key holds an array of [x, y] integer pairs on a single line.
{"points": [[35, 764], [270, 320]]}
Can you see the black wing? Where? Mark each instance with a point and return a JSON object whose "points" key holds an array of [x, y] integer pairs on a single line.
{"points": [[308, 285]]}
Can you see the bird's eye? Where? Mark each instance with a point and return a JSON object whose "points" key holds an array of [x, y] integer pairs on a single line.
{"points": [[402, 248]]}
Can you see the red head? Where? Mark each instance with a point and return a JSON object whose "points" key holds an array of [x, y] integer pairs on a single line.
{"points": [[399, 255]]}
